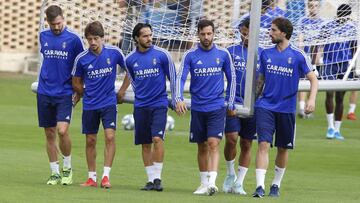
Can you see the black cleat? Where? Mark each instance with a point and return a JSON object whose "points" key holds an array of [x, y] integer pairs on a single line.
{"points": [[149, 186], [157, 185]]}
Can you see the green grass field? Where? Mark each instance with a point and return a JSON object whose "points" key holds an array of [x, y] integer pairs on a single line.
{"points": [[319, 170]]}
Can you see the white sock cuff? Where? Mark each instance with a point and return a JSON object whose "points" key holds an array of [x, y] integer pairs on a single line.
{"points": [[352, 108], [150, 171], [212, 177], [241, 168], [279, 169], [301, 105], [158, 164], [67, 161], [92, 175], [204, 179]]}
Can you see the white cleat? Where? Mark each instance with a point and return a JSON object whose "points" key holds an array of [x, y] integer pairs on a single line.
{"points": [[201, 190], [212, 189], [228, 183], [238, 189]]}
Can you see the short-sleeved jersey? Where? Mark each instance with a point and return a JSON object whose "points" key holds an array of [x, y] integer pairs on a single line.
{"points": [[341, 50], [239, 57], [148, 71], [282, 71], [99, 74], [57, 53], [207, 68], [310, 29]]}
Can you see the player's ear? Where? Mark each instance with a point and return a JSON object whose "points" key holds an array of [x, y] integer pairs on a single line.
{"points": [[136, 39]]}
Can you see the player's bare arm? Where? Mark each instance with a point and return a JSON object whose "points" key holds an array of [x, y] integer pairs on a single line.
{"points": [[310, 106], [123, 88], [78, 85], [259, 85]]}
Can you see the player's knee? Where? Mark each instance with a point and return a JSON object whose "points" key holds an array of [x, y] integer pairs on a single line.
{"points": [[231, 142], [245, 145], [157, 139], [62, 132], [109, 139], [213, 145], [90, 142]]}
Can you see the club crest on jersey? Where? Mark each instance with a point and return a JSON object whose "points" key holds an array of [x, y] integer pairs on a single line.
{"points": [[108, 61], [217, 61], [154, 61], [64, 45], [289, 60]]}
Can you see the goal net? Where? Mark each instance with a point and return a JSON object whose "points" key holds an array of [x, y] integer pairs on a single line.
{"points": [[328, 36]]}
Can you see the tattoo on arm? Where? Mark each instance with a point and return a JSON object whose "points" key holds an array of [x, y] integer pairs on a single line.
{"points": [[259, 85]]}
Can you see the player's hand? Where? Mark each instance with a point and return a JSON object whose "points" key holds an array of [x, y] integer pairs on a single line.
{"points": [[120, 97], [310, 106], [231, 112], [75, 99], [181, 108]]}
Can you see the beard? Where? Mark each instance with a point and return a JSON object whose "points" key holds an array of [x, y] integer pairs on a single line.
{"points": [[275, 41], [206, 43]]}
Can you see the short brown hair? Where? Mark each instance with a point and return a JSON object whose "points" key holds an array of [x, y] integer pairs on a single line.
{"points": [[284, 25], [52, 12], [205, 23], [94, 28]]}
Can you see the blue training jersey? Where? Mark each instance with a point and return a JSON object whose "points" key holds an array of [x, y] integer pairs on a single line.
{"points": [[99, 74], [148, 71], [57, 53], [239, 57], [282, 71], [206, 68], [310, 29], [340, 50]]}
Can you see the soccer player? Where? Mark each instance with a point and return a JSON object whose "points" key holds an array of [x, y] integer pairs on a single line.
{"points": [[207, 64], [235, 126], [280, 69], [95, 68], [309, 28], [148, 66], [59, 47], [336, 60]]}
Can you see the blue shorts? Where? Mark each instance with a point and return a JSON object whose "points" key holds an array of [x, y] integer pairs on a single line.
{"points": [[149, 122], [91, 119], [282, 124], [335, 71], [53, 109], [246, 127], [206, 124]]}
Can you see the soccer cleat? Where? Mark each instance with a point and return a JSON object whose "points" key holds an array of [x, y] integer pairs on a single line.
{"points": [[274, 191], [330, 134], [212, 189], [338, 136], [54, 179], [67, 176], [149, 186], [259, 192], [238, 189], [157, 185], [201, 190], [89, 183], [105, 183], [228, 183], [351, 116]]}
